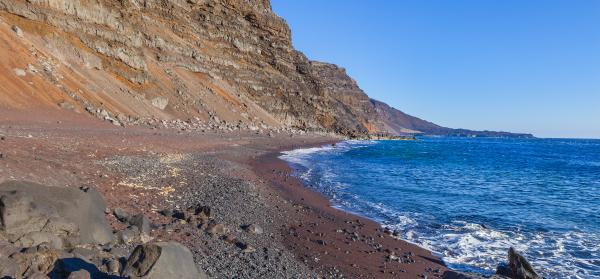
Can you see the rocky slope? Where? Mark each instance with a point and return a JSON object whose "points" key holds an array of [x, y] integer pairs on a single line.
{"points": [[230, 62]]}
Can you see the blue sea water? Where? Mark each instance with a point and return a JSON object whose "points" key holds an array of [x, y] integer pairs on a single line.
{"points": [[470, 199]]}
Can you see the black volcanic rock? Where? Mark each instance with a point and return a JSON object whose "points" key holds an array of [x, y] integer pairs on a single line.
{"points": [[518, 267]]}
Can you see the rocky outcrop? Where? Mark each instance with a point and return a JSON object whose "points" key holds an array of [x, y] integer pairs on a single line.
{"points": [[350, 110], [518, 267]]}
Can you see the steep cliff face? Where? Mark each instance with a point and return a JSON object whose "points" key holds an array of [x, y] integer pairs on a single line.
{"points": [[351, 107], [230, 59], [226, 60]]}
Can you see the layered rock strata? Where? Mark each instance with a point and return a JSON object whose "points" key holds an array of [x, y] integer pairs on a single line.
{"points": [[229, 60]]}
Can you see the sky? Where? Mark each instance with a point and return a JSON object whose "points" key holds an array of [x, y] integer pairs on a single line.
{"points": [[512, 65]]}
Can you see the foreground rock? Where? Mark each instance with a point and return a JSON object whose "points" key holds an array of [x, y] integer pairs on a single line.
{"points": [[62, 232], [28, 262], [162, 260], [32, 214], [518, 268]]}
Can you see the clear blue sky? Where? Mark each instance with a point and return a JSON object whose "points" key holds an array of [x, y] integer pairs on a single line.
{"points": [[515, 65]]}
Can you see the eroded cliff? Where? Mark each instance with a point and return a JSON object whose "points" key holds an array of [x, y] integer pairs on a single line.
{"points": [[226, 61]]}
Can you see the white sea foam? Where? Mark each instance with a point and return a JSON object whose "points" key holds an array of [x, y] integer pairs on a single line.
{"points": [[474, 247], [461, 244], [300, 156]]}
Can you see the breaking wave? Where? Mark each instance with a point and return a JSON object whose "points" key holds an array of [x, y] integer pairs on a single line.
{"points": [[469, 200]]}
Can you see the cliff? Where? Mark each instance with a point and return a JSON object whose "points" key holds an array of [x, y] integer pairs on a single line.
{"points": [[400, 123], [227, 61]]}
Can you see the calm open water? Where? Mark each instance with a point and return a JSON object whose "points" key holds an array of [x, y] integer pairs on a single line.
{"points": [[470, 199]]}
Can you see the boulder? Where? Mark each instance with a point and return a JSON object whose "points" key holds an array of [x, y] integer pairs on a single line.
{"points": [[119, 252], [20, 215], [160, 102], [113, 266], [33, 260], [161, 260], [9, 268], [72, 266], [518, 267], [143, 224], [121, 215], [68, 213], [128, 235]]}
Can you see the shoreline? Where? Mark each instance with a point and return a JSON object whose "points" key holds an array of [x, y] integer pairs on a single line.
{"points": [[354, 245], [238, 175], [362, 261]]}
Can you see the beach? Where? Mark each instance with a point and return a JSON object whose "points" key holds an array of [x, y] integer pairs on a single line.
{"points": [[262, 139], [238, 175]]}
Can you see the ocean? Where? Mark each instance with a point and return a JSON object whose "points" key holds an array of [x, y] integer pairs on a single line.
{"points": [[469, 199]]}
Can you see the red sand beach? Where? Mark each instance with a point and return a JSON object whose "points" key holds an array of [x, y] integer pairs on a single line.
{"points": [[237, 174]]}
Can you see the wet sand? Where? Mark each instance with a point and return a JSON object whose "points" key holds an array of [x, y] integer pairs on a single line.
{"points": [[325, 237]]}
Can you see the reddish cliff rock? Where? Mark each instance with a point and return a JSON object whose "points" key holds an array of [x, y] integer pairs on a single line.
{"points": [[230, 60]]}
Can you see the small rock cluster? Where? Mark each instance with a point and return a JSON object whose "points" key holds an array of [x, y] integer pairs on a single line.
{"points": [[220, 217], [199, 216], [192, 124], [138, 229], [103, 114]]}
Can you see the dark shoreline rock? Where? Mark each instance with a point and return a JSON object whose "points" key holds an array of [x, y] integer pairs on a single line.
{"points": [[518, 267]]}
